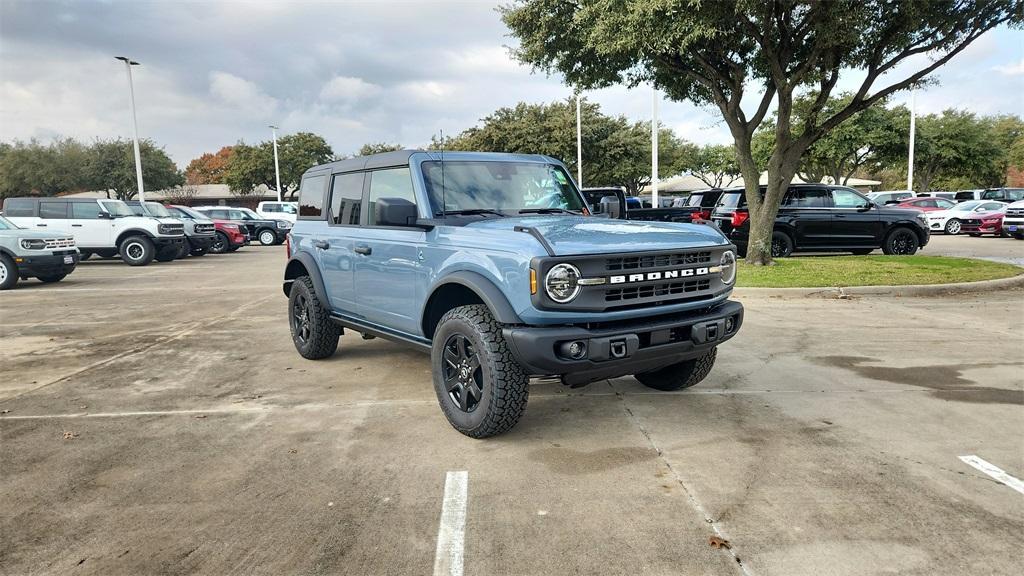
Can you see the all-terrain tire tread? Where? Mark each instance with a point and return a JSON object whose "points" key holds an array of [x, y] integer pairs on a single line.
{"points": [[325, 334], [681, 375], [511, 394]]}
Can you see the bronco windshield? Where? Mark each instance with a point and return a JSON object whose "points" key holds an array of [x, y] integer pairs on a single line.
{"points": [[6, 224], [116, 208], [508, 188]]}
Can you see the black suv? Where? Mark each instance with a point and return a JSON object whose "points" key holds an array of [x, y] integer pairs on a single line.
{"points": [[705, 200], [821, 218]]}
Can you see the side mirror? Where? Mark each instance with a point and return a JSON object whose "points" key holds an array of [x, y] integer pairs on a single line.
{"points": [[395, 212], [610, 205], [105, 216]]}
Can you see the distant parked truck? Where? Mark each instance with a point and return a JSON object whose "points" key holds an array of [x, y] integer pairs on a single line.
{"points": [[268, 231], [278, 210], [101, 226], [48, 256]]}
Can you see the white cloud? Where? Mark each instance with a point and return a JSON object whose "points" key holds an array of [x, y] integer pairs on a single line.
{"points": [[348, 89], [242, 94], [1011, 69]]}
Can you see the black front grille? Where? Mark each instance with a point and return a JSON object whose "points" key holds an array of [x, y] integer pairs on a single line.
{"points": [[656, 261], [656, 290], [972, 222], [1015, 212]]}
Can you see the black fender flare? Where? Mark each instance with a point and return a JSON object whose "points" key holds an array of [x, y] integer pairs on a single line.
{"points": [[130, 232], [7, 252], [312, 270], [913, 226], [491, 295]]}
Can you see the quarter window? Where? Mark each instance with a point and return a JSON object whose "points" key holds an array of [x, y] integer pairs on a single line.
{"points": [[346, 198], [391, 183], [53, 209], [311, 196], [85, 210], [807, 199]]}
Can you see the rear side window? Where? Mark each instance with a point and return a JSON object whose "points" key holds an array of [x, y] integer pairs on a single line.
{"points": [[694, 200], [732, 200], [392, 183], [311, 197], [85, 210], [814, 198], [18, 207], [53, 209], [709, 199], [346, 198]]}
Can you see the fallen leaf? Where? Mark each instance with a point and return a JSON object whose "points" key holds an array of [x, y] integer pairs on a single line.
{"points": [[200, 415], [293, 451], [717, 542], [70, 435]]}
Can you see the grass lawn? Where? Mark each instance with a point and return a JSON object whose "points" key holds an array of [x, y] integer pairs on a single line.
{"points": [[833, 271]]}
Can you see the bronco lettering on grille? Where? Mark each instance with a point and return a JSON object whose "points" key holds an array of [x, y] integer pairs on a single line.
{"points": [[666, 274]]}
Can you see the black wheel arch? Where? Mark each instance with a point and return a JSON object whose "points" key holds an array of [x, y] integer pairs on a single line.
{"points": [[922, 235], [303, 264], [131, 232], [461, 289]]}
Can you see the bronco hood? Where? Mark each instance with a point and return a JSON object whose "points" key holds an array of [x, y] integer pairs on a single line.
{"points": [[572, 235]]}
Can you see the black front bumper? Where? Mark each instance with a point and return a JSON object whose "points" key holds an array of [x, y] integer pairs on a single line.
{"points": [[46, 265], [201, 242], [623, 348], [164, 241]]}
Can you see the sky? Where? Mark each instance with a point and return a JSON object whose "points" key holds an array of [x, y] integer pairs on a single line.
{"points": [[217, 72]]}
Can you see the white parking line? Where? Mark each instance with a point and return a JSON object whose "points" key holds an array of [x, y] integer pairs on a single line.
{"points": [[452, 531], [994, 471]]}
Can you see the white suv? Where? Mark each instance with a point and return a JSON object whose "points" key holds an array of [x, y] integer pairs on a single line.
{"points": [[278, 210], [100, 226], [1013, 220]]}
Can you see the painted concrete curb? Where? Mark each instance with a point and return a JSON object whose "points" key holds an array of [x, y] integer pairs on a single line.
{"points": [[911, 290]]}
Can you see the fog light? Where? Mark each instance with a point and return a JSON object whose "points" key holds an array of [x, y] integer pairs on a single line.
{"points": [[730, 324], [575, 350]]}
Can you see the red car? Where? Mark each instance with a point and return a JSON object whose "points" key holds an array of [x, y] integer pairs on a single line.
{"points": [[926, 204], [990, 222], [230, 235]]}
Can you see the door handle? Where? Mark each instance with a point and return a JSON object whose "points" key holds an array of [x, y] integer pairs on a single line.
{"points": [[76, 225], [363, 249], [41, 225], [322, 244]]}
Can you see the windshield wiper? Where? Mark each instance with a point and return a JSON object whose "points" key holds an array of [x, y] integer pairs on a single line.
{"points": [[547, 211], [470, 212]]}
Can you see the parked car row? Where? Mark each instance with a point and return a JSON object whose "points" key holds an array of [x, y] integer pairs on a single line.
{"points": [[46, 238]]}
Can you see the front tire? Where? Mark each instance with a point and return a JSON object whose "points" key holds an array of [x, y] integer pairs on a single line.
{"points": [[901, 242], [314, 334], [198, 252], [679, 375], [84, 255], [8, 272], [952, 226], [267, 237], [220, 243], [168, 253], [50, 279], [782, 245], [137, 251], [481, 388]]}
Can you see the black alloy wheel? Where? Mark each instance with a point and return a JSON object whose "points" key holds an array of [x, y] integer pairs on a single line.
{"points": [[782, 245], [901, 242], [463, 379], [301, 327]]}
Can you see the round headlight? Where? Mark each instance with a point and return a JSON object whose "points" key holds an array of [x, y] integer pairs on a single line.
{"points": [[728, 265], [33, 244], [562, 283]]}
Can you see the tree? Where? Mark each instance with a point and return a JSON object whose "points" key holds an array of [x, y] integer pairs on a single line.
{"points": [[110, 166], [377, 148], [252, 166], [713, 52], [956, 149], [615, 151], [715, 165], [209, 168], [31, 168]]}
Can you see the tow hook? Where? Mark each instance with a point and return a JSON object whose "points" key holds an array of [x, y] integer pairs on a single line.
{"points": [[617, 349]]}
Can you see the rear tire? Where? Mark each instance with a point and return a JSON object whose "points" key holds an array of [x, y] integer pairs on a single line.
{"points": [[481, 388], [681, 374], [220, 243], [901, 242], [137, 250], [782, 245], [314, 334], [267, 237], [8, 272]]}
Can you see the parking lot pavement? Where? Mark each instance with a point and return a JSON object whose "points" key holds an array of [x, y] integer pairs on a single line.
{"points": [[157, 420], [1008, 250]]}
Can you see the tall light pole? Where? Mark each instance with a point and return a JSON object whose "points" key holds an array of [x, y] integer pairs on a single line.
{"points": [[910, 155], [579, 145], [128, 63], [654, 148], [277, 168]]}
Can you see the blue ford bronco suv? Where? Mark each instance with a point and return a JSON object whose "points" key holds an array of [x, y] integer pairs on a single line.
{"points": [[494, 265]]}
